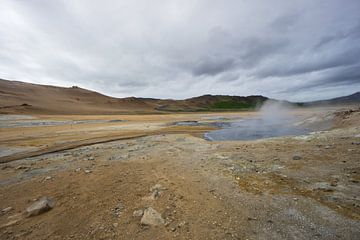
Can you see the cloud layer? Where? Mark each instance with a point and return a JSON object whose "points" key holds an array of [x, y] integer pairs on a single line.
{"points": [[295, 50]]}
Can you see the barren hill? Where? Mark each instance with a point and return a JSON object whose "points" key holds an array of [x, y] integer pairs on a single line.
{"points": [[26, 98]]}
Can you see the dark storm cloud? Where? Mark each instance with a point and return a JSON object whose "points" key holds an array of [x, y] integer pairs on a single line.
{"points": [[178, 49]]}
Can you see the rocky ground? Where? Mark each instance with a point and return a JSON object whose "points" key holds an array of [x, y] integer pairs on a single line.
{"points": [[176, 185]]}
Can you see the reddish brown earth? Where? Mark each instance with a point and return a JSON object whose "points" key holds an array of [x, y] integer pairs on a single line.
{"points": [[214, 190]]}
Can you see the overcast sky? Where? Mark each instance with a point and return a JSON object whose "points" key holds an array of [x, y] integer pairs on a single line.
{"points": [[297, 50]]}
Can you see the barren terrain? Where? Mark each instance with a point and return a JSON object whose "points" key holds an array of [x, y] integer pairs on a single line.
{"points": [[100, 169]]}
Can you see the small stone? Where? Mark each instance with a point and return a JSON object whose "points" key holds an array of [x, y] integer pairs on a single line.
{"points": [[115, 225], [48, 178], [152, 217], [21, 167], [42, 205], [157, 187], [6, 210], [323, 186], [296, 157], [87, 171], [155, 194], [78, 170], [138, 213], [354, 180], [5, 167], [118, 209]]}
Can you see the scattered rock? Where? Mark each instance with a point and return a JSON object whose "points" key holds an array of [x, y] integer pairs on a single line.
{"points": [[323, 186], [355, 143], [158, 187], [6, 210], [118, 210], [156, 191], [296, 157], [87, 171], [152, 217], [155, 194], [42, 205], [5, 167], [354, 180], [21, 167], [138, 213], [48, 178]]}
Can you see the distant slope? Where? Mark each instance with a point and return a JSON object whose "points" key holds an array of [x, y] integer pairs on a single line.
{"points": [[26, 98], [351, 99], [19, 97]]}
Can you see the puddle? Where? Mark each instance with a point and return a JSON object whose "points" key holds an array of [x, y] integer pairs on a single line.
{"points": [[254, 128]]}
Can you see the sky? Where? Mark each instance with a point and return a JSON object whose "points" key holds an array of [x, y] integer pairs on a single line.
{"points": [[298, 50]]}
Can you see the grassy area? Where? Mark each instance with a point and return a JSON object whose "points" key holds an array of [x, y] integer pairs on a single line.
{"points": [[232, 105]]}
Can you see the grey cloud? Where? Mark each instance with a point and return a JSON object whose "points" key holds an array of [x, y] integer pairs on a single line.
{"points": [[172, 49], [353, 33], [212, 66], [312, 64], [343, 76], [285, 23]]}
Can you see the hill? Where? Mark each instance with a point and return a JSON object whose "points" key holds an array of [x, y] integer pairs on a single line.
{"points": [[27, 98], [351, 99]]}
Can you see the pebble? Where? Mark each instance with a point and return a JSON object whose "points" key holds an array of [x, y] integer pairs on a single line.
{"points": [[296, 157]]}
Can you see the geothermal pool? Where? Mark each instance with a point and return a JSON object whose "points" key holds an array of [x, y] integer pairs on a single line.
{"points": [[255, 128]]}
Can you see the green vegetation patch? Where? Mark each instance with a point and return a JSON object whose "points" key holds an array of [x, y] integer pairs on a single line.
{"points": [[233, 105]]}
